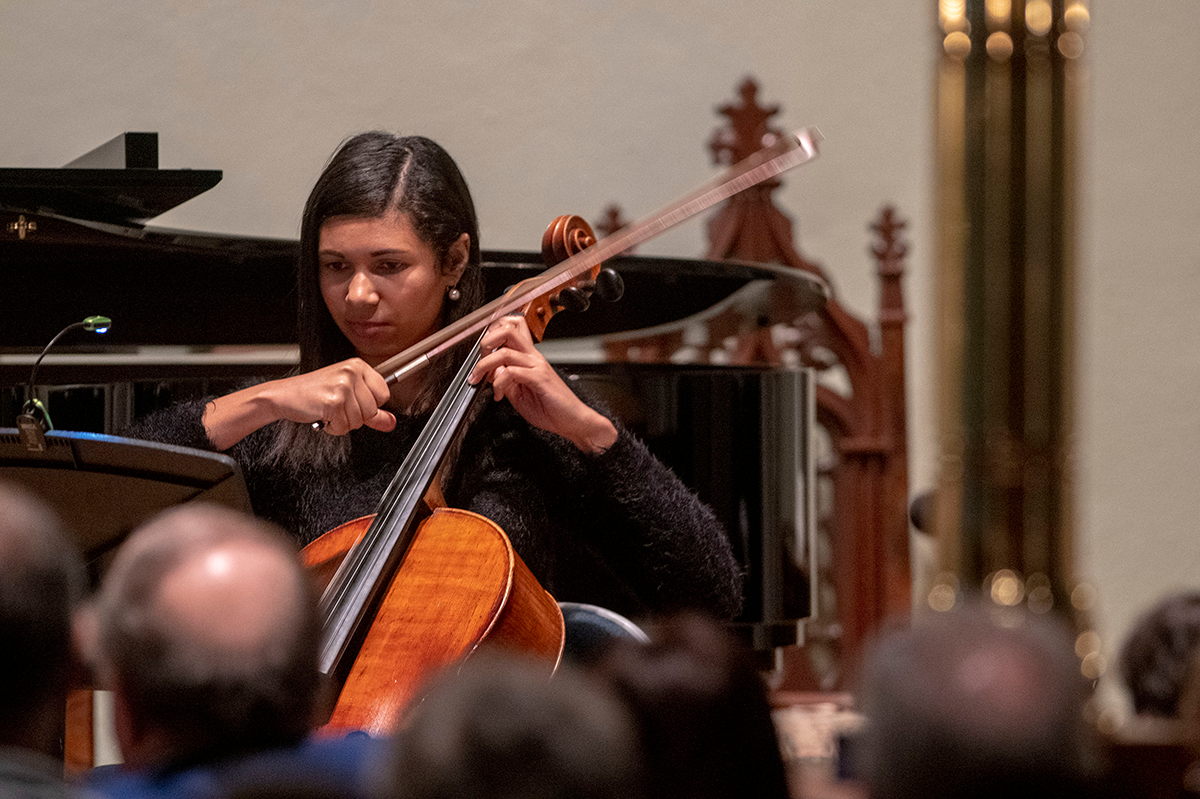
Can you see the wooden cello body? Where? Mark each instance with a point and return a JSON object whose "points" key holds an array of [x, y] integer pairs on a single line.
{"points": [[461, 586]]}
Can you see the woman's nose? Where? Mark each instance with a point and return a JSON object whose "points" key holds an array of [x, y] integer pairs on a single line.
{"points": [[361, 289]]}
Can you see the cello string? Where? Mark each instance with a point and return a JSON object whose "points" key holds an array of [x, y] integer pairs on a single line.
{"points": [[357, 581], [425, 449]]}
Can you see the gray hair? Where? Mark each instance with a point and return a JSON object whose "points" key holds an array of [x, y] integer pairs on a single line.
{"points": [[207, 696]]}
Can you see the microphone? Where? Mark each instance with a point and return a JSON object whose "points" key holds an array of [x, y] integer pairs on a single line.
{"points": [[34, 421]]}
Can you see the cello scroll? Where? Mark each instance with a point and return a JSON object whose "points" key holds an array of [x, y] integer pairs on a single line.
{"points": [[566, 236]]}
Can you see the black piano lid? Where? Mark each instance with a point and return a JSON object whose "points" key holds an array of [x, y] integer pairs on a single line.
{"points": [[189, 288], [659, 290], [118, 196], [118, 182]]}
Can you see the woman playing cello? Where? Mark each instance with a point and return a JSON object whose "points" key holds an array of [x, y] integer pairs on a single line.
{"points": [[390, 254]]}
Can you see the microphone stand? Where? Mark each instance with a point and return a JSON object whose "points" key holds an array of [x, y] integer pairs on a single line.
{"points": [[34, 421]]}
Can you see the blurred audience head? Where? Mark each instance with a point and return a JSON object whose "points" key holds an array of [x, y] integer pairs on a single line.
{"points": [[41, 578], [1158, 653], [206, 630], [976, 703], [701, 709], [500, 729]]}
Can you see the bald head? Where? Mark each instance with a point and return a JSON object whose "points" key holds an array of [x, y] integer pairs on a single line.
{"points": [[206, 626], [233, 597]]}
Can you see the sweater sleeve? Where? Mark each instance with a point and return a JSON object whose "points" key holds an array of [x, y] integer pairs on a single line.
{"points": [[180, 424], [641, 514], [617, 529], [273, 494]]}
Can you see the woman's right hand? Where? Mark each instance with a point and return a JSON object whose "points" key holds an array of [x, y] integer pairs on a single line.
{"points": [[344, 396]]}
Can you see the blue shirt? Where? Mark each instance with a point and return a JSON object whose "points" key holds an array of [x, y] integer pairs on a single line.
{"points": [[343, 765]]}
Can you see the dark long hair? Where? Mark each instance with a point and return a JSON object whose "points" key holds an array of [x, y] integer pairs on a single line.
{"points": [[701, 709], [371, 175]]}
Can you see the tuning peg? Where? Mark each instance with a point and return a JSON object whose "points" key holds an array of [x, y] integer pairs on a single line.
{"points": [[609, 285], [572, 299]]}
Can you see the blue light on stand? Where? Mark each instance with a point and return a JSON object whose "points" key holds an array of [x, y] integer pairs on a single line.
{"points": [[34, 421], [97, 324]]}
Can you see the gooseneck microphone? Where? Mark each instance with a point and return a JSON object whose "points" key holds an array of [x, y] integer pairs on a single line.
{"points": [[34, 421]]}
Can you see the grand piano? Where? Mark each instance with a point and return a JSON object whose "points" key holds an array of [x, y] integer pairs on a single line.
{"points": [[199, 313]]}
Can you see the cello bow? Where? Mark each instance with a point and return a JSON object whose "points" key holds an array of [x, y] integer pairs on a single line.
{"points": [[787, 153]]}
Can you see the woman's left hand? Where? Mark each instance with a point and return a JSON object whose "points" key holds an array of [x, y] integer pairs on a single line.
{"points": [[523, 376]]}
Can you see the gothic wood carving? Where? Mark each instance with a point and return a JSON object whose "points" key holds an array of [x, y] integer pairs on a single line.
{"points": [[867, 526]]}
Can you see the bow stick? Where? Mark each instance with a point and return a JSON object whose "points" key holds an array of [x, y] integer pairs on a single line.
{"points": [[789, 152]]}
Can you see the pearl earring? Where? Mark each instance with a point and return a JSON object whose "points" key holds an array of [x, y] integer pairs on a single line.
{"points": [[453, 294]]}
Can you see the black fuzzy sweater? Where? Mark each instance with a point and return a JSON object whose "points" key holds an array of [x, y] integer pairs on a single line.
{"points": [[617, 529]]}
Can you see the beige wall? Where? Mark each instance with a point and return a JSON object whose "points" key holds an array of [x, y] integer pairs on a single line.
{"points": [[549, 108], [557, 108], [1139, 431]]}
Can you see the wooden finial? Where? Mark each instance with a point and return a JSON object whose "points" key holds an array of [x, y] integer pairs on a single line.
{"points": [[748, 131], [613, 221]]}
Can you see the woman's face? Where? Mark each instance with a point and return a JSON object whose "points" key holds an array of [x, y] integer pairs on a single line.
{"points": [[382, 283]]}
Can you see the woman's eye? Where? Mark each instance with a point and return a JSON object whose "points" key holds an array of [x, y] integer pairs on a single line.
{"points": [[333, 266], [390, 266]]}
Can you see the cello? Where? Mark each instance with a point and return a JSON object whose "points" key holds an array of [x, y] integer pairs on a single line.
{"points": [[442, 581], [417, 586]]}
